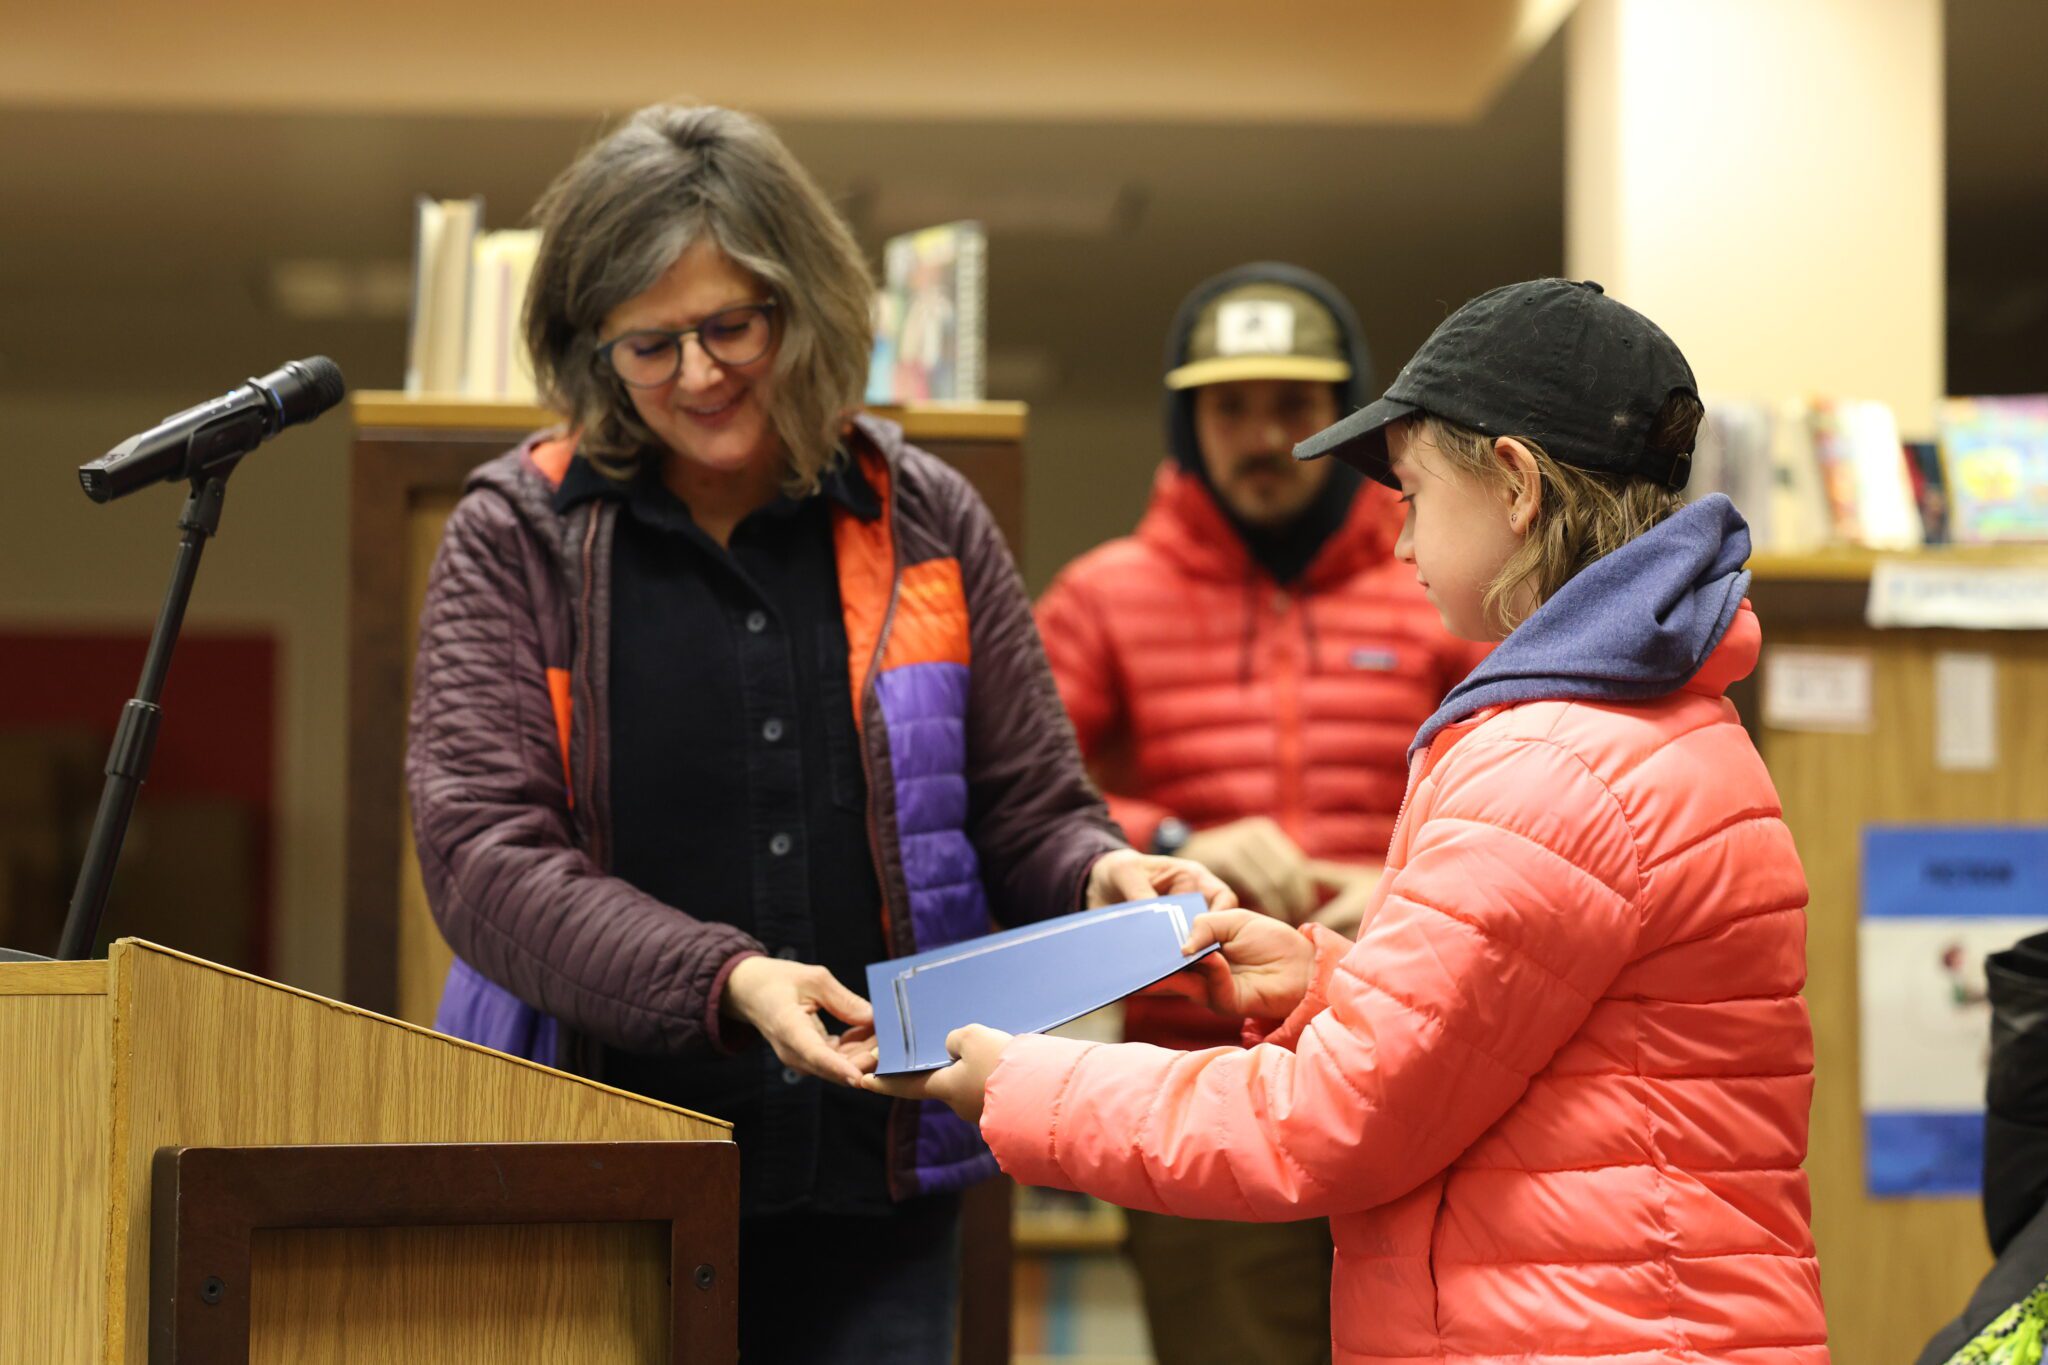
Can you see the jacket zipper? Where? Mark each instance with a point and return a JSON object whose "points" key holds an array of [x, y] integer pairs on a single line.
{"points": [[588, 775], [1287, 679], [902, 1183], [867, 692]]}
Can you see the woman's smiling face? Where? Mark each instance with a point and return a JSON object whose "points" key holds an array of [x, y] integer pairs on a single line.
{"points": [[717, 417]]}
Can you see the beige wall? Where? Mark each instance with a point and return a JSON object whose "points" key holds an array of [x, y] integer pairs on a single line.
{"points": [[279, 565], [1765, 179]]}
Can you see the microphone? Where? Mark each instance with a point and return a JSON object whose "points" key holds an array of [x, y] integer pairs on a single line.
{"points": [[193, 443]]}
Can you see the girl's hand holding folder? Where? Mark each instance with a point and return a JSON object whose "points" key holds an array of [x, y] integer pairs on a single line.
{"points": [[961, 1087], [1261, 969]]}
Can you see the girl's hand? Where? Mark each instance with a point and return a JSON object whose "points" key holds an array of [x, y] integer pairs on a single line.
{"points": [[961, 1087], [1128, 875], [782, 1000], [1261, 971]]}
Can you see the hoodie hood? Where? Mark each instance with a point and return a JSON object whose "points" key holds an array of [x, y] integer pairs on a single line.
{"points": [[1638, 624], [1285, 553]]}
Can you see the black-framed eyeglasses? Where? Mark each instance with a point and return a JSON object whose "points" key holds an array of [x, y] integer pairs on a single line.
{"points": [[650, 357]]}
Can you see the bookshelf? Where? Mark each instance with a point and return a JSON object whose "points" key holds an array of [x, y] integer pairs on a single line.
{"points": [[1854, 563], [1893, 1269], [1095, 1233], [389, 408]]}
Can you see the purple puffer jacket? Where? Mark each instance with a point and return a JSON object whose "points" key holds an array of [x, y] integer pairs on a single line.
{"points": [[979, 807]]}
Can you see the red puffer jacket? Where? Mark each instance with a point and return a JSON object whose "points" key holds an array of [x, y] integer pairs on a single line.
{"points": [[1201, 688], [1554, 1100]]}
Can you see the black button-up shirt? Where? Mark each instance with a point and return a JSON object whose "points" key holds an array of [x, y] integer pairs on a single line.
{"points": [[737, 795]]}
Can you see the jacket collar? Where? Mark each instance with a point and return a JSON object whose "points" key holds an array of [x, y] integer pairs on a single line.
{"points": [[1184, 523], [649, 501]]}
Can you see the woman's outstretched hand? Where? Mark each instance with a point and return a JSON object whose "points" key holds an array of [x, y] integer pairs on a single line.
{"points": [[1261, 969], [1128, 875], [782, 1001]]}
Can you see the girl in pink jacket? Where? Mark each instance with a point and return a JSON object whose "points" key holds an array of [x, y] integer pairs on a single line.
{"points": [[1554, 1099]]}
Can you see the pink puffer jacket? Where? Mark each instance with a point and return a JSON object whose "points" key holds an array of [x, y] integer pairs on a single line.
{"points": [[1554, 1100]]}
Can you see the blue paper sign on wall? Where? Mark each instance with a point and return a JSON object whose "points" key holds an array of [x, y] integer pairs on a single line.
{"points": [[1936, 901]]}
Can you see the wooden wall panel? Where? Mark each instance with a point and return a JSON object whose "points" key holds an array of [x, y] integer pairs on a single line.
{"points": [[1892, 1270]]}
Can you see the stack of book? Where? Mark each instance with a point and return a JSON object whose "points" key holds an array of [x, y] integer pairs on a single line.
{"points": [[468, 292], [1818, 472]]}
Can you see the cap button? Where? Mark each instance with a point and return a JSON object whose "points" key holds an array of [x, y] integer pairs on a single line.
{"points": [[1593, 285]]}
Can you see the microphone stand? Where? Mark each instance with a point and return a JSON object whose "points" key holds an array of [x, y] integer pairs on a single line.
{"points": [[135, 738]]}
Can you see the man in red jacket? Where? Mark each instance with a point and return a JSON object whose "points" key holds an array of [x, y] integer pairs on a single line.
{"points": [[1245, 674]]}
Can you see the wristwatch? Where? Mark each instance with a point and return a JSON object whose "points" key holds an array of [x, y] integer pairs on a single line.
{"points": [[1171, 836]]}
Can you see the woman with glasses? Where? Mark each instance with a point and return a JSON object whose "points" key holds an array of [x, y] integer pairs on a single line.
{"points": [[723, 692]]}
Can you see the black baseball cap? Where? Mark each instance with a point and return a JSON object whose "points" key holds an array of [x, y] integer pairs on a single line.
{"points": [[1556, 362]]}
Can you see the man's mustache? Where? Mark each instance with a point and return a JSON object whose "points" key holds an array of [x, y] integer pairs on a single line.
{"points": [[1275, 462]]}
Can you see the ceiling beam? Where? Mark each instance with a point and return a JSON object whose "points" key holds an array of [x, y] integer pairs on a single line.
{"points": [[1308, 61]]}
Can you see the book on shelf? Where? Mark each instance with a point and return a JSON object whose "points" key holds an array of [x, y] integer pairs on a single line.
{"points": [[444, 237], [1761, 455], [1994, 458], [1813, 472], [498, 364], [930, 317], [469, 291], [1863, 468], [1930, 488]]}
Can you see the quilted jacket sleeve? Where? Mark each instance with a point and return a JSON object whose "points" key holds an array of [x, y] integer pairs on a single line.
{"points": [[1084, 667], [1036, 821], [512, 892], [1517, 906]]}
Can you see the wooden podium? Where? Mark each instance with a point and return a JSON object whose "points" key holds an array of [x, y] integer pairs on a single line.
{"points": [[201, 1166]]}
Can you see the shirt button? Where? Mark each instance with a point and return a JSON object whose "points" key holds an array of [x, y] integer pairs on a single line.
{"points": [[779, 845], [790, 1075], [771, 730], [757, 621]]}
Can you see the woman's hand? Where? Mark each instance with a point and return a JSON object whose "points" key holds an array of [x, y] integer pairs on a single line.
{"points": [[961, 1087], [1128, 875], [1261, 970], [781, 1001]]}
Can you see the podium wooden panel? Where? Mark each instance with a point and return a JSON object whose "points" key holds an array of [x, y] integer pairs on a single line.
{"points": [[110, 1062], [546, 1245]]}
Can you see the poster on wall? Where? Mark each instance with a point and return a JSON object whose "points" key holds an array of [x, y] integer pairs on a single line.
{"points": [[1936, 901]]}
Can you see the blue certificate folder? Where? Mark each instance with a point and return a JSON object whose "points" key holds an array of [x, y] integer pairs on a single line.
{"points": [[1025, 980]]}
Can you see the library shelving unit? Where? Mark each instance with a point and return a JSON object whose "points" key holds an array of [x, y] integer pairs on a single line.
{"points": [[1893, 1269]]}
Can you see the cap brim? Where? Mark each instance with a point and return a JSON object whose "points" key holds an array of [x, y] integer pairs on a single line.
{"points": [[1360, 440], [1226, 369]]}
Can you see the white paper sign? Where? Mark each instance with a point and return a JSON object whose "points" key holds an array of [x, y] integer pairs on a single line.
{"points": [[1959, 596], [1817, 689], [1965, 712]]}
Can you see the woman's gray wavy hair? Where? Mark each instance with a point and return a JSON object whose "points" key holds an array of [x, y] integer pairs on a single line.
{"points": [[618, 217]]}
